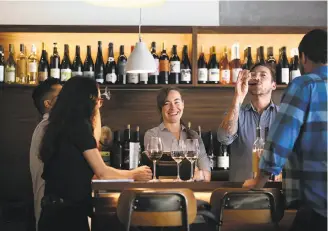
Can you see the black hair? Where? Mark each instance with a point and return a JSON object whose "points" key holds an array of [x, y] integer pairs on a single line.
{"points": [[75, 103], [161, 98], [314, 46], [41, 93], [269, 66]]}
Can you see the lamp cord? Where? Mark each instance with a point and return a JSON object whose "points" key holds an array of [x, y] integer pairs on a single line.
{"points": [[140, 25]]}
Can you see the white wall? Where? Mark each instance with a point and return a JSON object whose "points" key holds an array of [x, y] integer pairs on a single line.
{"points": [[171, 12]]}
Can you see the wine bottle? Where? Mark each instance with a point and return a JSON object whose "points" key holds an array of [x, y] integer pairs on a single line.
{"points": [[2, 65], [260, 55], [189, 125], [202, 74], [32, 68], [235, 62], [185, 77], [117, 151], [89, 67], [199, 131], [126, 147], [270, 58], [163, 67], [111, 77], [213, 68], [248, 62], [153, 77], [121, 63], [294, 69], [66, 66], [258, 147], [43, 70], [174, 67], [99, 66], [77, 66], [283, 67], [21, 70], [132, 78], [55, 63], [10, 69], [225, 68], [210, 152], [223, 158], [135, 149]]}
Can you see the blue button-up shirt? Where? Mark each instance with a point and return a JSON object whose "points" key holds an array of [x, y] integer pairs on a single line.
{"points": [[298, 138], [241, 143]]}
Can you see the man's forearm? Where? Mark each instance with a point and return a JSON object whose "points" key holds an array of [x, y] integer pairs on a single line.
{"points": [[230, 121]]}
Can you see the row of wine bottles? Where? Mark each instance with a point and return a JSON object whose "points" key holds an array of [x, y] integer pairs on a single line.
{"points": [[27, 70], [170, 70], [126, 153]]}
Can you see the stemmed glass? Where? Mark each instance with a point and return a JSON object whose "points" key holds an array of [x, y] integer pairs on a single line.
{"points": [[191, 154], [154, 152], [178, 154]]}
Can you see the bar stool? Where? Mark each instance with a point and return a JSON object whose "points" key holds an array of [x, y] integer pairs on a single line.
{"points": [[226, 201], [157, 208]]}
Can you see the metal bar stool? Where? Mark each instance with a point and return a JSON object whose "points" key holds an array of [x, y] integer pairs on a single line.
{"points": [[243, 199], [157, 208]]}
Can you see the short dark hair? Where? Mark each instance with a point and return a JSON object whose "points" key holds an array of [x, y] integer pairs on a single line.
{"points": [[42, 91], [270, 67], [314, 46]]}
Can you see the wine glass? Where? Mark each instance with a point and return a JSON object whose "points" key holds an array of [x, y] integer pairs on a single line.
{"points": [[154, 152], [191, 154], [178, 154]]}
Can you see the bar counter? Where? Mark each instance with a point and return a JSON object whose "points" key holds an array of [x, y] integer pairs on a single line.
{"points": [[106, 196]]}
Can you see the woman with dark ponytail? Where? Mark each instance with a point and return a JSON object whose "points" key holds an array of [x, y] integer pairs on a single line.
{"points": [[170, 105]]}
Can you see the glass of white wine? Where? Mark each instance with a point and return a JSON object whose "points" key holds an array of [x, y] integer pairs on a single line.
{"points": [[178, 154], [154, 152], [191, 154]]}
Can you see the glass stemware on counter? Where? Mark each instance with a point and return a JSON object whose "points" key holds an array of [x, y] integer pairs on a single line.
{"points": [[154, 152], [178, 151], [191, 154]]}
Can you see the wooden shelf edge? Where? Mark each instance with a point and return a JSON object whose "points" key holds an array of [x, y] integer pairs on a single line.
{"points": [[143, 86]]}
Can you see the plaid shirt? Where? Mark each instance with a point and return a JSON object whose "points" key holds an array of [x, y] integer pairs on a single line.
{"points": [[298, 141]]}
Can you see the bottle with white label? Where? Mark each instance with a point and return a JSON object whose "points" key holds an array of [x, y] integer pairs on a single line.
{"points": [[32, 68], [55, 63], [89, 67], [99, 65], [153, 77], [185, 77], [10, 69], [66, 71], [202, 73], [134, 154], [77, 66], [283, 67], [213, 68], [2, 65], [271, 61], [174, 67], [43, 69], [225, 68], [110, 69], [294, 67], [235, 62], [132, 78], [223, 158], [21, 69]]}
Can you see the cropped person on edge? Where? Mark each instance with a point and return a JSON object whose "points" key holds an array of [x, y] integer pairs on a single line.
{"points": [[170, 106], [44, 97], [298, 138], [238, 127], [71, 158]]}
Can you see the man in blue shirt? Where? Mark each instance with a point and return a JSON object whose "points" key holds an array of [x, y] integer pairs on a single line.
{"points": [[298, 138], [239, 125]]}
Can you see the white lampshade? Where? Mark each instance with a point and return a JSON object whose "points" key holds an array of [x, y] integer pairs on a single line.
{"points": [[126, 3], [140, 60]]}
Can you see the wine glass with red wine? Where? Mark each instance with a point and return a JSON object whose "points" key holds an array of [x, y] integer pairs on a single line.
{"points": [[154, 152]]}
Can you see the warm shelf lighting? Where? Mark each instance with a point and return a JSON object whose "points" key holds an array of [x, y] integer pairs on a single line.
{"points": [[126, 3]]}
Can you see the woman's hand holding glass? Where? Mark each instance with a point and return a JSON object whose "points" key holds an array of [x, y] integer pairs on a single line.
{"points": [[154, 152], [191, 154]]}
